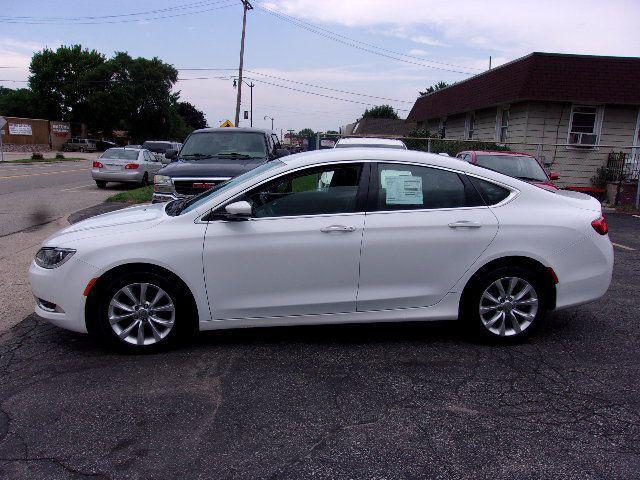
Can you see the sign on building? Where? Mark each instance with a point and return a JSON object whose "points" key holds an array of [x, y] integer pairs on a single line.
{"points": [[20, 129], [60, 129]]}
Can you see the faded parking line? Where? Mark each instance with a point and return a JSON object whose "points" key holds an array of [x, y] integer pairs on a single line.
{"points": [[624, 247], [9, 177], [76, 188]]}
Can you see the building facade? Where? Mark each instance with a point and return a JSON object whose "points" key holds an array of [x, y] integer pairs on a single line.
{"points": [[570, 111]]}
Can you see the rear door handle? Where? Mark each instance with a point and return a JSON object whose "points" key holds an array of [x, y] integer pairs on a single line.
{"points": [[464, 224], [337, 228]]}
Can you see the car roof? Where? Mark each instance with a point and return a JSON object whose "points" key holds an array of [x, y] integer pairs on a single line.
{"points": [[370, 141], [390, 155], [234, 129]]}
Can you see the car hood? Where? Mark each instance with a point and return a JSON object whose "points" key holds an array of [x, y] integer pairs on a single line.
{"points": [[214, 167], [120, 221]]}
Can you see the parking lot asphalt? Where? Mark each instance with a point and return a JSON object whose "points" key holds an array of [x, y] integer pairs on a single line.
{"points": [[400, 401]]}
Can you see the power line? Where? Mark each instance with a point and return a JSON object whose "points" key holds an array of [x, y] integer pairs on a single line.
{"points": [[309, 85], [144, 19], [147, 12], [336, 37]]}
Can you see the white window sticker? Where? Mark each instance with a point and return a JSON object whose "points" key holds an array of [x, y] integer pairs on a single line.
{"points": [[384, 174], [404, 190]]}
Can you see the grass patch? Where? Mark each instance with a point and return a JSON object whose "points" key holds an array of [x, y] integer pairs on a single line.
{"points": [[137, 195], [44, 160]]}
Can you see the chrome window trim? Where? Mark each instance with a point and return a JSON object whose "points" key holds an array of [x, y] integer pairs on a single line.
{"points": [[514, 192]]}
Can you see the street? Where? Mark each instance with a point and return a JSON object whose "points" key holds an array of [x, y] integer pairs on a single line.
{"points": [[36, 200], [26, 191], [394, 401]]}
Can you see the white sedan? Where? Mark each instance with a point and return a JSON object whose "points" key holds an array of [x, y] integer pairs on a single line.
{"points": [[335, 236]]}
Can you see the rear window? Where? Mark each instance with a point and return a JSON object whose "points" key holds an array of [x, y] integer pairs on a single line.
{"points": [[120, 154], [490, 192], [518, 166], [157, 147]]}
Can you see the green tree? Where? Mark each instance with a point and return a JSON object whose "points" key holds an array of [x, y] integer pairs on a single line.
{"points": [[306, 133], [434, 88], [18, 103], [62, 81], [193, 117], [381, 111]]}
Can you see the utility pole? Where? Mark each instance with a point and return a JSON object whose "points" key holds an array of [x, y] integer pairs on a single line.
{"points": [[267, 116], [246, 6], [251, 85]]}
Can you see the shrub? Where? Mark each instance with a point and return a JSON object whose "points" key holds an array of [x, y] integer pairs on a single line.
{"points": [[450, 147], [37, 156], [59, 155]]}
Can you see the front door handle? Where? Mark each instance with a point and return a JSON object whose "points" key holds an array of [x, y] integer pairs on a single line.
{"points": [[337, 228], [464, 224]]}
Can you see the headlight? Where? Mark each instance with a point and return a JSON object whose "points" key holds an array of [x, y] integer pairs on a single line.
{"points": [[50, 257], [162, 184]]}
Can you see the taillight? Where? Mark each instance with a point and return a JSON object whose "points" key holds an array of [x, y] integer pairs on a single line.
{"points": [[97, 164], [131, 166], [600, 225]]}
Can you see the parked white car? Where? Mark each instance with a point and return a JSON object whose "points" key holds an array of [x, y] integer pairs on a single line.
{"points": [[394, 235], [127, 165], [370, 142]]}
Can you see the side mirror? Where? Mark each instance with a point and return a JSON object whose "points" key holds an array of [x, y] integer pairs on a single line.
{"points": [[282, 152], [554, 176], [239, 210], [171, 154]]}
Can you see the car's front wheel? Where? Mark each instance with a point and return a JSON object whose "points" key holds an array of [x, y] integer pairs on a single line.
{"points": [[140, 312], [506, 303]]}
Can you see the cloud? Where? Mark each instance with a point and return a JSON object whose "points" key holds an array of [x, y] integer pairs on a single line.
{"points": [[417, 52], [507, 27]]}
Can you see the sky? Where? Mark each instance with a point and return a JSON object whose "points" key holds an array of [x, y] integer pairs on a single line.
{"points": [[316, 64]]}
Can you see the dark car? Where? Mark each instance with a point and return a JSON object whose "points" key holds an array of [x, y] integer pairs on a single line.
{"points": [[104, 145], [517, 165], [211, 156]]}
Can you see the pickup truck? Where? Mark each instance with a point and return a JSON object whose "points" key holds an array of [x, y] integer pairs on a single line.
{"points": [[211, 156]]}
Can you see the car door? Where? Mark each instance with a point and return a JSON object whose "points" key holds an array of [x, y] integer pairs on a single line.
{"points": [[425, 227], [152, 163], [298, 254]]}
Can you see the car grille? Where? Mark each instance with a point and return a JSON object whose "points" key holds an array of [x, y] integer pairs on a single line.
{"points": [[194, 187]]}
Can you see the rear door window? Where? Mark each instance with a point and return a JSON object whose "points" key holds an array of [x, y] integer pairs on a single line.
{"points": [[413, 187]]}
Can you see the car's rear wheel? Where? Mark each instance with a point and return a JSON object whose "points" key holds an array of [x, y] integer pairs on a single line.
{"points": [[145, 180], [101, 184], [141, 312], [505, 304]]}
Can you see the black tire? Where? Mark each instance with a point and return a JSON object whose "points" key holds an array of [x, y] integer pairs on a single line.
{"points": [[182, 325], [528, 317], [145, 180], [101, 184]]}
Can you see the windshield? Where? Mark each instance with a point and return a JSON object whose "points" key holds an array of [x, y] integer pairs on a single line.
{"points": [[178, 207], [518, 166], [157, 147], [120, 154], [232, 144]]}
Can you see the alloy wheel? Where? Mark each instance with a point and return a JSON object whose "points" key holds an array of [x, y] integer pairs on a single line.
{"points": [[141, 314], [508, 306]]}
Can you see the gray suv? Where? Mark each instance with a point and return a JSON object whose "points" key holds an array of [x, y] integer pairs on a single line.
{"points": [[79, 145]]}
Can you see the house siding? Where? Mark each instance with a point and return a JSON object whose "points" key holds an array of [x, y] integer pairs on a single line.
{"points": [[547, 123]]}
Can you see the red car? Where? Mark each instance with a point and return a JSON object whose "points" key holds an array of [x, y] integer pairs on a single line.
{"points": [[518, 165]]}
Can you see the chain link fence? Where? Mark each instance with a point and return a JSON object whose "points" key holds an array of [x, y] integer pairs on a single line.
{"points": [[608, 172]]}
